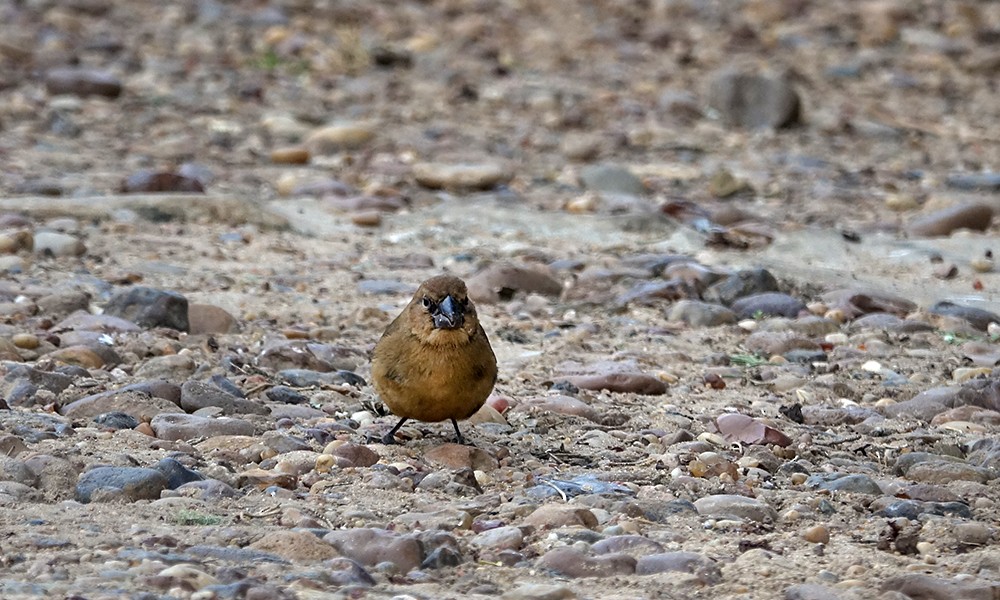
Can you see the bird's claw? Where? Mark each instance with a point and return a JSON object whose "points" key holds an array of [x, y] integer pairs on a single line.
{"points": [[389, 439]]}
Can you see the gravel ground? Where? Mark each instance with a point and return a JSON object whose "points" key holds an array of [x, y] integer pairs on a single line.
{"points": [[734, 259]]}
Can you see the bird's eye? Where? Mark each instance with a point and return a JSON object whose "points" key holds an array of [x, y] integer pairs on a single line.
{"points": [[427, 302]]}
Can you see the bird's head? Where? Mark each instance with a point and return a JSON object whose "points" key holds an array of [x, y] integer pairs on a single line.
{"points": [[441, 311]]}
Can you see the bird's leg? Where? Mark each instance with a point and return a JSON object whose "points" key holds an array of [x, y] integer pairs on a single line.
{"points": [[390, 438], [458, 434]]}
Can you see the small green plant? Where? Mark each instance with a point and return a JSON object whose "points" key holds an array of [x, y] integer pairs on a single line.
{"points": [[758, 315], [747, 360]]}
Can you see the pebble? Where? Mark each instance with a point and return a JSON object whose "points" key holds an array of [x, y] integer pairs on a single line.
{"points": [[82, 82], [462, 177], [943, 222], [728, 505], [540, 591], [149, 181], [370, 547], [613, 179], [683, 562], [768, 304], [297, 546], [570, 562], [207, 319], [500, 538], [977, 317], [989, 181], [554, 516], [741, 284], [338, 137], [701, 314], [169, 367], [197, 395], [134, 483], [189, 427], [559, 404], [501, 280], [817, 534], [633, 545], [53, 243], [290, 155], [624, 383], [460, 456], [149, 307], [753, 101]]}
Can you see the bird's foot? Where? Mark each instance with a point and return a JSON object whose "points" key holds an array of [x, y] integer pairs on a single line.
{"points": [[389, 438]]}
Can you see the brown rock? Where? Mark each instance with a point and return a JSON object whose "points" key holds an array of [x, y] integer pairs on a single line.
{"points": [[131, 402], [552, 516], [206, 318], [635, 383], [356, 454], [82, 82], [458, 456], [943, 222], [370, 546], [560, 404], [297, 546], [292, 155], [573, 563], [501, 281]]}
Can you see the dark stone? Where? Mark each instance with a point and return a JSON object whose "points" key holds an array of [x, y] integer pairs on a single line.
{"points": [[740, 284], [136, 483], [150, 307], [176, 473], [116, 420], [286, 395], [977, 317]]}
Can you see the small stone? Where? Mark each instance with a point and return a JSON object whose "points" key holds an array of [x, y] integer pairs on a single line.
{"points": [[176, 473], [189, 427], [553, 516], [611, 179], [540, 591], [856, 483], [297, 546], [367, 218], [355, 454], [560, 404], [150, 307], [196, 395], [977, 317], [817, 534], [206, 318], [116, 420], [370, 546], [170, 367], [500, 281], [727, 505], [337, 137], [53, 243], [683, 562], [461, 177], [291, 155], [500, 538], [143, 401], [768, 304], [753, 101], [26, 341], [570, 562], [976, 217], [460, 456], [82, 82], [741, 284], [147, 181], [136, 483], [701, 314]]}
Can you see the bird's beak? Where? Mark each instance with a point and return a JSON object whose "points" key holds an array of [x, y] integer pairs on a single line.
{"points": [[449, 314]]}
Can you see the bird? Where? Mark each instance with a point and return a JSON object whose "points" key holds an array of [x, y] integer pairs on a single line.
{"points": [[434, 361]]}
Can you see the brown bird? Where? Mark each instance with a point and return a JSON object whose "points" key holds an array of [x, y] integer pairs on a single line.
{"points": [[434, 361]]}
